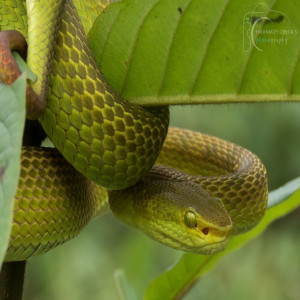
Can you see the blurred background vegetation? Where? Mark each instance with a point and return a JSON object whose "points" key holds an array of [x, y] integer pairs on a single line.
{"points": [[266, 268]]}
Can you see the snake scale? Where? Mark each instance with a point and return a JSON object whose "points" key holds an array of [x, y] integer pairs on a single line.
{"points": [[200, 192]]}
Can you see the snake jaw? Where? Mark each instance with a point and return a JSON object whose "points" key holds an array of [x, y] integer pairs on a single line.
{"points": [[195, 240]]}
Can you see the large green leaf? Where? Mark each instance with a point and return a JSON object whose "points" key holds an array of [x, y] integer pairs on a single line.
{"points": [[178, 280], [12, 118], [199, 51]]}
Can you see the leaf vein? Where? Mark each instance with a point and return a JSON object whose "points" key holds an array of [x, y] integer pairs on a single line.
{"points": [[190, 93], [134, 45], [171, 46], [108, 36]]}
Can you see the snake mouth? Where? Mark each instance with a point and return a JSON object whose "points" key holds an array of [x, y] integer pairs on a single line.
{"points": [[215, 240], [214, 248], [195, 247]]}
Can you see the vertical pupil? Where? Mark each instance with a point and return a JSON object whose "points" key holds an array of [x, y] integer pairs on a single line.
{"points": [[190, 219]]}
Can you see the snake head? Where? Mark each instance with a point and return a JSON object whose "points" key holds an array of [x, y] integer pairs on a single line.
{"points": [[206, 235], [179, 214], [198, 222]]}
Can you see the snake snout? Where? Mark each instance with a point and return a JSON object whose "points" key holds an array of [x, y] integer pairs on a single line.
{"points": [[204, 233], [213, 235]]}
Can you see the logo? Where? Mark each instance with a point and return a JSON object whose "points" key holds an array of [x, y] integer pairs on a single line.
{"points": [[266, 26]]}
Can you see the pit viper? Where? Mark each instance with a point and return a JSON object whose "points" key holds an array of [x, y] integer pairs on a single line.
{"points": [[201, 190]]}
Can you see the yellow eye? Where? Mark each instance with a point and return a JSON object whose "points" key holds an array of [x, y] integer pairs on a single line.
{"points": [[190, 219]]}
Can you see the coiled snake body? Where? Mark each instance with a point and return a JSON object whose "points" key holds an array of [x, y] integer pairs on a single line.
{"points": [[219, 190]]}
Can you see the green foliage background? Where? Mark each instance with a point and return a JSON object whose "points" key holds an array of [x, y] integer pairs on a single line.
{"points": [[267, 268]]}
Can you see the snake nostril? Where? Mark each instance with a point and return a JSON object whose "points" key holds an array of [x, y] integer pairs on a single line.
{"points": [[205, 230]]}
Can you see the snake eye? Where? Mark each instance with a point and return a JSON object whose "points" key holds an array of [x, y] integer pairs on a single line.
{"points": [[190, 219]]}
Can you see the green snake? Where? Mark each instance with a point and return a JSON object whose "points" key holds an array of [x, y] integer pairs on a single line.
{"points": [[200, 192]]}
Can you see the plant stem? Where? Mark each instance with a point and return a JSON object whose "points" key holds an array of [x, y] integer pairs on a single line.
{"points": [[12, 280]]}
